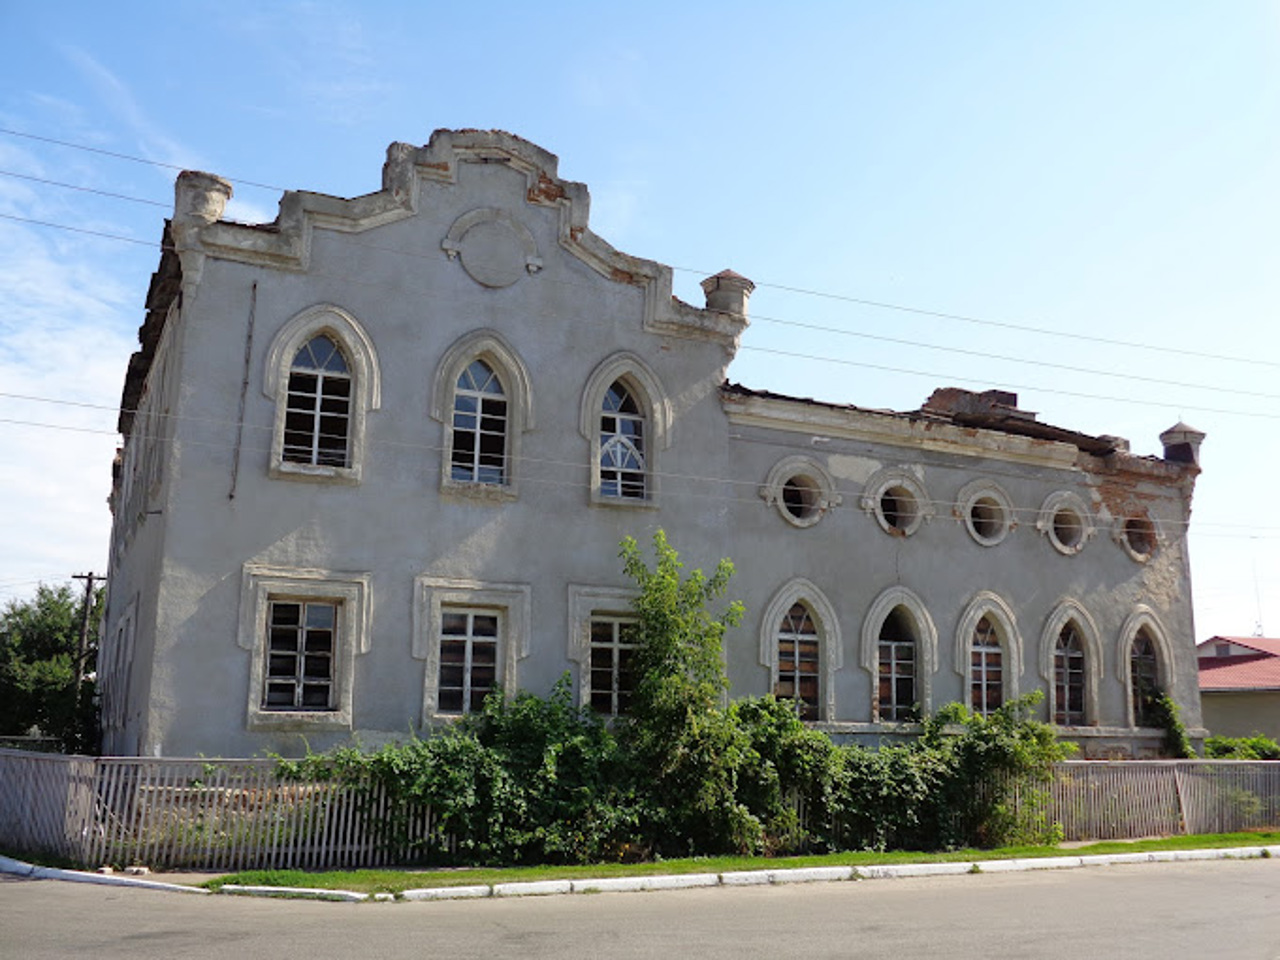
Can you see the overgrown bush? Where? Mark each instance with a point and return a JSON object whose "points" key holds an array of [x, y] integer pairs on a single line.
{"points": [[1257, 747], [542, 780], [533, 780]]}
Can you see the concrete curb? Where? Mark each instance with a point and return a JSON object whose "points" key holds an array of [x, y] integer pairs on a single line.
{"points": [[679, 881], [448, 893], [22, 869], [302, 893]]}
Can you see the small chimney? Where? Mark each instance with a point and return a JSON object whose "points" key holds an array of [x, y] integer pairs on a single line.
{"points": [[1182, 444], [728, 292], [199, 198]]}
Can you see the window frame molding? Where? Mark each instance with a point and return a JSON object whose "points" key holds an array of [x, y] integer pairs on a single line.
{"points": [[1066, 500], [431, 595], [987, 604], [491, 347], [1070, 610], [1120, 534], [884, 480], [366, 387], [831, 647], [585, 601], [926, 646], [262, 583], [650, 394], [1143, 616], [788, 468], [968, 497]]}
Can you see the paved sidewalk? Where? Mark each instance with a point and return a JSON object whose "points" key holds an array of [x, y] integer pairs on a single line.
{"points": [[184, 882]]}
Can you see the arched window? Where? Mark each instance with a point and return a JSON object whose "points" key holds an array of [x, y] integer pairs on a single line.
{"points": [[1144, 677], [1069, 678], [986, 669], [479, 427], [988, 652], [798, 664], [482, 396], [1071, 664], [626, 417], [800, 647], [897, 682], [322, 373], [317, 423], [622, 444], [900, 652]]}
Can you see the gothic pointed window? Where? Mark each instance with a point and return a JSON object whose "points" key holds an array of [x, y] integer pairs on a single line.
{"points": [[622, 445], [479, 452], [1068, 678], [317, 424], [1144, 678], [798, 667]]}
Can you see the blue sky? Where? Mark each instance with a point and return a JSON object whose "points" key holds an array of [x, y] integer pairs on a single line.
{"points": [[1107, 172]]}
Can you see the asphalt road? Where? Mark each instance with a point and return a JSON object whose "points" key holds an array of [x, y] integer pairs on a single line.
{"points": [[1217, 909]]}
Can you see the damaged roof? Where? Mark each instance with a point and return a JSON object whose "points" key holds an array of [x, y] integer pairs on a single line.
{"points": [[991, 410]]}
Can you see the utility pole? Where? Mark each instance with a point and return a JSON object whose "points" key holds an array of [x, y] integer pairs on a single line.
{"points": [[83, 646]]}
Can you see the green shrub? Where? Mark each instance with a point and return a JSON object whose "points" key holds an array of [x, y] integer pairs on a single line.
{"points": [[686, 752], [1257, 747]]}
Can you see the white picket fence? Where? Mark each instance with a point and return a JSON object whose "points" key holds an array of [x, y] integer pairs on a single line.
{"points": [[1125, 799], [220, 815], [230, 815]]}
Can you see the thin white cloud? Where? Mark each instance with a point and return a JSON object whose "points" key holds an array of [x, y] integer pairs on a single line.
{"points": [[150, 140], [330, 60]]}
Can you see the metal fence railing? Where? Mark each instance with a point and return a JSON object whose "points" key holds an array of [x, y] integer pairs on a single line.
{"points": [[229, 815]]}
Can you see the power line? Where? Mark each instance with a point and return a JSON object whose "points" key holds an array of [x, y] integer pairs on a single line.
{"points": [[805, 291], [72, 186], [1010, 386], [125, 156], [988, 355], [1024, 328], [863, 364], [92, 233]]}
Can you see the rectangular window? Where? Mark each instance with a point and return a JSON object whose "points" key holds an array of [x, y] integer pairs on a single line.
{"points": [[304, 628], [1068, 699], [897, 680], [613, 648], [468, 658], [301, 641], [317, 419]]}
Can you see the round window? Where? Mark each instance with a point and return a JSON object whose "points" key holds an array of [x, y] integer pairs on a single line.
{"points": [[1068, 529], [1140, 537], [1064, 519], [898, 507], [898, 501], [987, 518], [801, 490], [801, 497], [986, 510]]}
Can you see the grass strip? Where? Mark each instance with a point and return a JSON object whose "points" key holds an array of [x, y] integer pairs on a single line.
{"points": [[408, 878]]}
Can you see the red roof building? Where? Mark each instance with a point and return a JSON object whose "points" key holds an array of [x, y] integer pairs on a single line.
{"points": [[1240, 685]]}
